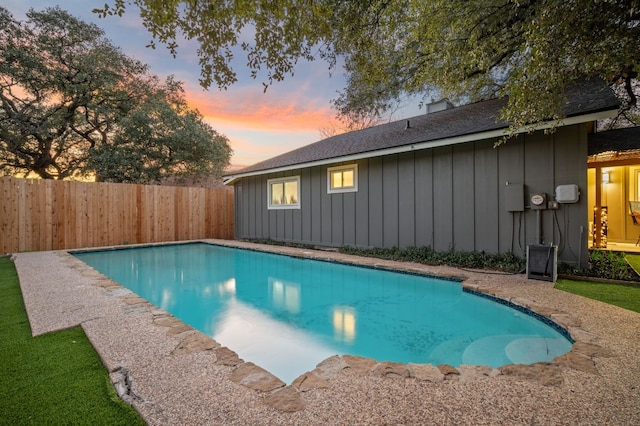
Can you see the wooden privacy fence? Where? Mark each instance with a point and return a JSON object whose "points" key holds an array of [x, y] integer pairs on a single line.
{"points": [[53, 215]]}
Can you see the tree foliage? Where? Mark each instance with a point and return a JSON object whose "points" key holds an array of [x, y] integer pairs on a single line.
{"points": [[629, 114], [72, 105], [529, 50]]}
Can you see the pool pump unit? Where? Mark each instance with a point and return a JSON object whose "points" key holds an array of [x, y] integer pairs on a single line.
{"points": [[542, 262]]}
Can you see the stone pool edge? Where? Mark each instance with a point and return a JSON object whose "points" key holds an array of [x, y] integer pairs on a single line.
{"points": [[280, 395]]}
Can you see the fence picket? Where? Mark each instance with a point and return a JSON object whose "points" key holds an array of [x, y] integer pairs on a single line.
{"points": [[55, 215]]}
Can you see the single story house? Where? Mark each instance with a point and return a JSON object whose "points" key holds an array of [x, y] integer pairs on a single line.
{"points": [[435, 180]]}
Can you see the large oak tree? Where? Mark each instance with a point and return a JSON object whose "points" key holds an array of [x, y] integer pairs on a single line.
{"points": [[72, 105], [529, 50]]}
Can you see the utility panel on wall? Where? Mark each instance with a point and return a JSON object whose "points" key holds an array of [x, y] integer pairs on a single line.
{"points": [[567, 193], [514, 197], [538, 201]]}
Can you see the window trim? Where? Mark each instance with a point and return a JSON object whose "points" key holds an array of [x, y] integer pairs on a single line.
{"points": [[353, 188], [283, 180]]}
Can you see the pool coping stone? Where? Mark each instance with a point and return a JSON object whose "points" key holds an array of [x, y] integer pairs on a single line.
{"points": [[173, 374]]}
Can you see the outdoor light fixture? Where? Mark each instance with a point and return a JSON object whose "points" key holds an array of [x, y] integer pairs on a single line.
{"points": [[605, 177]]}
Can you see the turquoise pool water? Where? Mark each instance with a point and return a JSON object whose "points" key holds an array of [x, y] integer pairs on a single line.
{"points": [[288, 314]]}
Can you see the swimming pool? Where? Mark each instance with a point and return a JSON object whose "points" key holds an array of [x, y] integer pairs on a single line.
{"points": [[287, 314]]}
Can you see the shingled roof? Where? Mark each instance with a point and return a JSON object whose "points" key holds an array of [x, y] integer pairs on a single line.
{"points": [[466, 123], [614, 145], [619, 140]]}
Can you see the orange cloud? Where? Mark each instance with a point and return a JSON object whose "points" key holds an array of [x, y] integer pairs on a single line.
{"points": [[253, 146], [251, 149], [261, 125], [254, 110]]}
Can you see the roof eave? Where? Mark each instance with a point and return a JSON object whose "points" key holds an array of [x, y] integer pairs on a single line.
{"points": [[568, 121]]}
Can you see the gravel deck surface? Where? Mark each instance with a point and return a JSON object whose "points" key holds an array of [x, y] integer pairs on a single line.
{"points": [[173, 374]]}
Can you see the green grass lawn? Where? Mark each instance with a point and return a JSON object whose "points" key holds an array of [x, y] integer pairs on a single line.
{"points": [[634, 261], [627, 297], [54, 379]]}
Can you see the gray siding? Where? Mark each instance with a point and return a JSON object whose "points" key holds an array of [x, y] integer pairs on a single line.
{"points": [[407, 193], [423, 190], [376, 219], [464, 207], [485, 196], [389, 199], [442, 198], [450, 197], [362, 212]]}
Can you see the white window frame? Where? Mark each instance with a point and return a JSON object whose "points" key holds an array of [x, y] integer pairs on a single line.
{"points": [[353, 188], [283, 180]]}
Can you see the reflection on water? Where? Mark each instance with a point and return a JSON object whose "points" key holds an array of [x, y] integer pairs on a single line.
{"points": [[278, 347], [167, 300], [344, 323], [227, 288], [285, 295], [288, 314]]}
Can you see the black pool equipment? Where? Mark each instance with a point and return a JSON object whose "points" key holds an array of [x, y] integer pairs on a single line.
{"points": [[542, 262]]}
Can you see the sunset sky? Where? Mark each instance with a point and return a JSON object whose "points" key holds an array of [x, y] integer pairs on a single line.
{"points": [[259, 125]]}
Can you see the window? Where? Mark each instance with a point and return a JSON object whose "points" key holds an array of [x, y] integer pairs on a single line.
{"points": [[342, 179], [284, 193]]}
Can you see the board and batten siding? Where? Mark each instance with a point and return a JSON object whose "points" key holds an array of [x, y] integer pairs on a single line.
{"points": [[450, 197]]}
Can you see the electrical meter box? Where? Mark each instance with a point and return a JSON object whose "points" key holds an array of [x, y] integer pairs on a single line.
{"points": [[567, 194], [514, 197], [539, 201]]}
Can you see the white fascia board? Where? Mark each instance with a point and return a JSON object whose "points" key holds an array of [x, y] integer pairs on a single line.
{"points": [[230, 179]]}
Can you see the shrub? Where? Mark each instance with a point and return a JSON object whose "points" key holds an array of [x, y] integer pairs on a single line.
{"points": [[464, 259], [604, 264]]}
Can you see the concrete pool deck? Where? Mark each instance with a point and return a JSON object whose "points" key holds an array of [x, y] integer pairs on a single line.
{"points": [[173, 374]]}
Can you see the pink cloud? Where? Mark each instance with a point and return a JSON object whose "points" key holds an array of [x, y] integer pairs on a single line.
{"points": [[254, 145], [253, 110]]}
